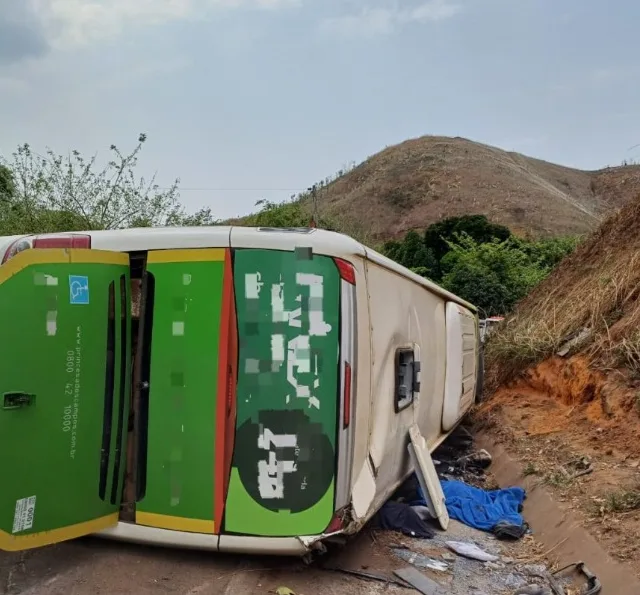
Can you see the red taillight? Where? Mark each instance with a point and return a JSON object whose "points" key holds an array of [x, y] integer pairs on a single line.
{"points": [[347, 395], [335, 524], [77, 241], [346, 270]]}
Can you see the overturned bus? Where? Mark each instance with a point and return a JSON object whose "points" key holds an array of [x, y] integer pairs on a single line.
{"points": [[223, 388]]}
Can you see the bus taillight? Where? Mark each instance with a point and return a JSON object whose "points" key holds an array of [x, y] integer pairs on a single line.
{"points": [[346, 270], [75, 240], [79, 241]]}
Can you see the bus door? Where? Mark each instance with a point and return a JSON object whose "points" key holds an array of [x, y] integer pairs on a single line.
{"points": [[182, 411], [64, 393]]}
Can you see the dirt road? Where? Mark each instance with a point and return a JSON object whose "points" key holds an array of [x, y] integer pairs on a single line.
{"points": [[94, 566]]}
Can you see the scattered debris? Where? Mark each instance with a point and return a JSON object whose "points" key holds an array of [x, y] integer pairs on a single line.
{"points": [[423, 512], [533, 590], [431, 488], [419, 581], [471, 550], [574, 341], [534, 569], [514, 581], [399, 516], [508, 530], [478, 566], [370, 576], [481, 459], [456, 459], [592, 587], [420, 560]]}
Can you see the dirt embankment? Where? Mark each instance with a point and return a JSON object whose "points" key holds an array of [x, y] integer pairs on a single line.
{"points": [[568, 396], [577, 430], [574, 420]]}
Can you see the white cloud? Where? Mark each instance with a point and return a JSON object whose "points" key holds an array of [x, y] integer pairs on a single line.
{"points": [[384, 20], [72, 23]]}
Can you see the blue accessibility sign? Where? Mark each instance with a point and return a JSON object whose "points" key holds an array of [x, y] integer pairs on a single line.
{"points": [[79, 290]]}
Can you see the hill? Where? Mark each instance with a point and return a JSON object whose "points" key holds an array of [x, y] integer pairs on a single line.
{"points": [[563, 382], [421, 181]]}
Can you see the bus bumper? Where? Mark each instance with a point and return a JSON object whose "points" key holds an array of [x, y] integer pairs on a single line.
{"points": [[272, 546]]}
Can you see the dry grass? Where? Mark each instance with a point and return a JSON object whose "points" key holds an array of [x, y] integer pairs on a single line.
{"points": [[628, 352], [594, 294], [423, 180], [622, 501]]}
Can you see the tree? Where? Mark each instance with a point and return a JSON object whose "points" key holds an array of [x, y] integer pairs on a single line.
{"points": [[57, 193], [480, 286], [9, 216], [7, 184], [199, 218], [292, 213], [492, 275], [438, 236], [413, 254], [491, 268], [392, 249]]}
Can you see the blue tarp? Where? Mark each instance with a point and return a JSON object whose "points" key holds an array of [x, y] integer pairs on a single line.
{"points": [[482, 509]]}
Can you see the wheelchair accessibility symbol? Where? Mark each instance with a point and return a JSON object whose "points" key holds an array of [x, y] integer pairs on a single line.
{"points": [[78, 290]]}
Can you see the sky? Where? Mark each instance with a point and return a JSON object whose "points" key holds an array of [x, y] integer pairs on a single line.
{"points": [[258, 99]]}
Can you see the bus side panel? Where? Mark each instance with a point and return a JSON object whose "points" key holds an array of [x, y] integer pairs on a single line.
{"points": [[404, 316], [284, 465]]}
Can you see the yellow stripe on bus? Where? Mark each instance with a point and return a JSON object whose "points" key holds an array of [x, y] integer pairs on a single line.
{"points": [[98, 257], [174, 523], [32, 257], [186, 255], [16, 543]]}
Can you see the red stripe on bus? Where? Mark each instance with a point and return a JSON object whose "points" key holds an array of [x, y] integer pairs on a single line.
{"points": [[230, 430], [220, 481]]}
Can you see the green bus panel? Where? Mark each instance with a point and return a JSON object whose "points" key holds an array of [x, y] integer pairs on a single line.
{"points": [[283, 470], [179, 490], [64, 394]]}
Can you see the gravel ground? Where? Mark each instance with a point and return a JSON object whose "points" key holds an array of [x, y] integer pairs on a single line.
{"points": [[93, 566]]}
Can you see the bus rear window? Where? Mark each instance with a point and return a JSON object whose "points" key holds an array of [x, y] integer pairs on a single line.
{"points": [[288, 316]]}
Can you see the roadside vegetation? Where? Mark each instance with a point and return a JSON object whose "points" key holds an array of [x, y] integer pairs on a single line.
{"points": [[480, 261], [44, 193], [590, 304]]}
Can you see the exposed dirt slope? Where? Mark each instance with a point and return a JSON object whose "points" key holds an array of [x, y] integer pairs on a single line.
{"points": [[420, 181], [563, 382], [592, 298]]}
